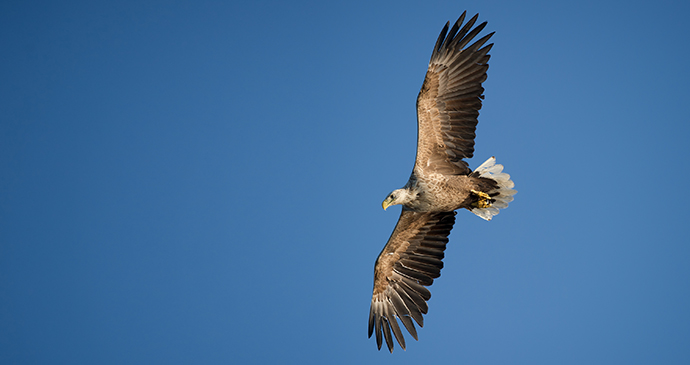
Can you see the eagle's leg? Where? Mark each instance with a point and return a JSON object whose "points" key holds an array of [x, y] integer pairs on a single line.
{"points": [[484, 200]]}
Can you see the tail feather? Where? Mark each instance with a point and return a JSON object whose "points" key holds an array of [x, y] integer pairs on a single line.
{"points": [[502, 195]]}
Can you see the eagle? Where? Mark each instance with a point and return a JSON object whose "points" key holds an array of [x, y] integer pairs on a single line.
{"points": [[441, 182]]}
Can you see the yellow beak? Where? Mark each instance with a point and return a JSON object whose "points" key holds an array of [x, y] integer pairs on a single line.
{"points": [[386, 203]]}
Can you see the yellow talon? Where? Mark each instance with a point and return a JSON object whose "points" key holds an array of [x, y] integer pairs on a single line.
{"points": [[484, 199]]}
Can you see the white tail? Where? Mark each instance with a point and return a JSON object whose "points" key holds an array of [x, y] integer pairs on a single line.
{"points": [[491, 170]]}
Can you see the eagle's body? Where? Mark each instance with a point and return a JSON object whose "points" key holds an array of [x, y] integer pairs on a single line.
{"points": [[441, 182], [441, 193]]}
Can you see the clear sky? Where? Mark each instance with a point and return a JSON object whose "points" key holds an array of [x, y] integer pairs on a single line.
{"points": [[201, 183]]}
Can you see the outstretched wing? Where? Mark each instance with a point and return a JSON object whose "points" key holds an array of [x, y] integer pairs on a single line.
{"points": [[449, 102], [410, 261]]}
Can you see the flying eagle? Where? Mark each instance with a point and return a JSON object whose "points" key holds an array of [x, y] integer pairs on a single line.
{"points": [[441, 182]]}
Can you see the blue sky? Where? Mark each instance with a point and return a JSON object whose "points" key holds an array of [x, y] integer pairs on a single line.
{"points": [[202, 182]]}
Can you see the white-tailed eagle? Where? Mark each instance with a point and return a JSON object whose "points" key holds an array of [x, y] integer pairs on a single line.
{"points": [[441, 182]]}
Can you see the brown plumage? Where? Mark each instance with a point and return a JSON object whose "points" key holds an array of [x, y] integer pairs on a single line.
{"points": [[449, 102], [441, 182]]}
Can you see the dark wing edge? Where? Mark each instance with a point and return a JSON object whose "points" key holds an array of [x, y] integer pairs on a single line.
{"points": [[411, 260], [450, 99]]}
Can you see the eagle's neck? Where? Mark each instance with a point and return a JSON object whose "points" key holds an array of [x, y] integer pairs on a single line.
{"points": [[408, 194], [413, 192]]}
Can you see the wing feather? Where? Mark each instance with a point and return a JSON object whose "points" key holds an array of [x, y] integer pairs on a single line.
{"points": [[410, 261], [450, 99], [414, 309], [402, 308]]}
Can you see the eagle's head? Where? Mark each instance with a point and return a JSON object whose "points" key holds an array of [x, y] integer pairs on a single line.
{"points": [[399, 196]]}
